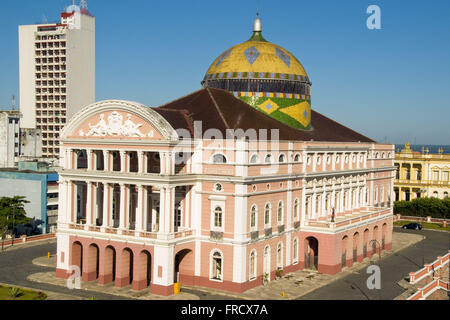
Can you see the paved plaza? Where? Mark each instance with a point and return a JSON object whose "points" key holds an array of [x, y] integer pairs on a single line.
{"points": [[29, 266], [291, 286]]}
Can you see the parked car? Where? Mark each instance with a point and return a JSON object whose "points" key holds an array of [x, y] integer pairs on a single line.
{"points": [[413, 225]]}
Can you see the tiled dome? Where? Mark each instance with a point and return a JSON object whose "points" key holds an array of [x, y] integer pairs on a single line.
{"points": [[266, 76]]}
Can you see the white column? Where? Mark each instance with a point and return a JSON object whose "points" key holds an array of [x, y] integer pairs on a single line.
{"points": [[70, 162], [172, 163], [314, 162], [240, 213], [303, 205], [123, 161], [62, 201], [162, 209], [89, 159], [107, 208], [333, 161], [313, 205], [163, 266], [141, 161], [140, 213], [106, 160], [89, 203], [95, 203], [69, 208], [123, 223]]}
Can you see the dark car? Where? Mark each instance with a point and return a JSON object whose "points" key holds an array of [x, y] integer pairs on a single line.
{"points": [[415, 226]]}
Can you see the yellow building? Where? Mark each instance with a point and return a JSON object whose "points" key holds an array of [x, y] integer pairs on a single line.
{"points": [[421, 174]]}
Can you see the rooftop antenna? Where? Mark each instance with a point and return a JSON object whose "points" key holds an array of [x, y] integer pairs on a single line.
{"points": [[13, 102], [84, 4]]}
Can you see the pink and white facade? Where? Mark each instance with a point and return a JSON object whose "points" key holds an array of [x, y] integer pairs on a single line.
{"points": [[141, 206]]}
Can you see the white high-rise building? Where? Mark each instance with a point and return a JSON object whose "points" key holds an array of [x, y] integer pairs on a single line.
{"points": [[57, 73]]}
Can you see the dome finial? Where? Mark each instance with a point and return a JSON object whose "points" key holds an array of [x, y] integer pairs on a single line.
{"points": [[257, 25]]}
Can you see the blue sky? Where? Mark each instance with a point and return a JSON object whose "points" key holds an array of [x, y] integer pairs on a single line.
{"points": [[391, 84]]}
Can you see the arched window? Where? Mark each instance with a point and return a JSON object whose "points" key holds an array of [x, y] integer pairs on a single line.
{"points": [[253, 216], [268, 158], [295, 249], [445, 194], [219, 158], [435, 194], [216, 266], [282, 158], [253, 265], [297, 158], [254, 159], [280, 212], [218, 217], [218, 187], [319, 159], [267, 214], [280, 256], [296, 209]]}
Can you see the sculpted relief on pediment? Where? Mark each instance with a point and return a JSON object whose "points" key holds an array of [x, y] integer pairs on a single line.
{"points": [[116, 127]]}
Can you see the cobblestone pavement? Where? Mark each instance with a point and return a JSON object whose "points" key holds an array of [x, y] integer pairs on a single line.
{"points": [[300, 283]]}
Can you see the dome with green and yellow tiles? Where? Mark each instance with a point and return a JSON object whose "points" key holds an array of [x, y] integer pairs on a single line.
{"points": [[267, 77]]}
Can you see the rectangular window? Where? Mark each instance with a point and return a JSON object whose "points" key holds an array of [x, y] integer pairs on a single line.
{"points": [[436, 175], [445, 176]]}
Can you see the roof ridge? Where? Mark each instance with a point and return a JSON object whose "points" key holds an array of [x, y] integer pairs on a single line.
{"points": [[185, 96], [346, 127], [218, 109]]}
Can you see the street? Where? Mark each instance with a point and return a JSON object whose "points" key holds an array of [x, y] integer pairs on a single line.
{"points": [[17, 264], [393, 269]]}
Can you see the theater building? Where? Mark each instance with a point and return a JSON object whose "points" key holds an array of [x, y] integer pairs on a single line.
{"points": [[223, 187]]}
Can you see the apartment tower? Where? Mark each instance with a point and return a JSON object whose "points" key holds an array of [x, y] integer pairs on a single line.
{"points": [[57, 73]]}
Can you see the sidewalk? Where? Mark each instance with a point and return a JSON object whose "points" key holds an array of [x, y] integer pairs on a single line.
{"points": [[300, 283], [294, 285], [20, 245]]}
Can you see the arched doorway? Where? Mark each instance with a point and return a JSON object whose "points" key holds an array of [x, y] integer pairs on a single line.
{"points": [[125, 276], [92, 263], [383, 236], [355, 246], [375, 243], [77, 256], [365, 241], [184, 267], [109, 261], [312, 253], [143, 270], [344, 251]]}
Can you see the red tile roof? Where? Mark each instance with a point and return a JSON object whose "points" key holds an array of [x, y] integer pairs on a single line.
{"points": [[220, 109]]}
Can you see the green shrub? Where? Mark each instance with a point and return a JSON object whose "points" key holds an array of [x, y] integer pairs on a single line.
{"points": [[15, 292], [424, 207]]}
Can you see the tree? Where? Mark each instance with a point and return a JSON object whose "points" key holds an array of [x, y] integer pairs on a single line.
{"points": [[12, 212]]}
